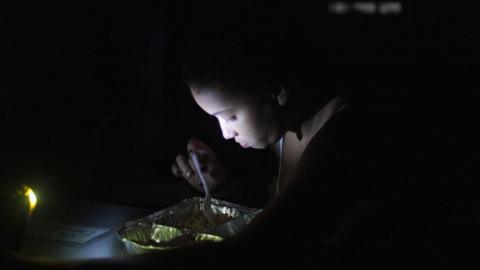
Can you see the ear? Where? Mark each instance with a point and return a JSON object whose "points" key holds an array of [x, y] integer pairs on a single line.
{"points": [[282, 96], [277, 93]]}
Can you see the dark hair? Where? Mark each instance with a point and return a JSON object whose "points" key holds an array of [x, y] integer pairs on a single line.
{"points": [[253, 60], [239, 61]]}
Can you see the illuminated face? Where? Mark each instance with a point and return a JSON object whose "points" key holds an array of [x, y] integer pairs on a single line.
{"points": [[253, 121]]}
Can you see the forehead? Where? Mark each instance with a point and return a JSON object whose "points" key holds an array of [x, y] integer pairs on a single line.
{"points": [[217, 97]]}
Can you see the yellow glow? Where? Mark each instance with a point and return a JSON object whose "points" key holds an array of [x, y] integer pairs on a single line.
{"points": [[32, 198]]}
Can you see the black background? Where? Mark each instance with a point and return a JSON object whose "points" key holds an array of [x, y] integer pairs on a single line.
{"points": [[90, 91]]}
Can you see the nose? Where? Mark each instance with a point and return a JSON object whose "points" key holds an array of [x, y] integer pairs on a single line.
{"points": [[227, 131]]}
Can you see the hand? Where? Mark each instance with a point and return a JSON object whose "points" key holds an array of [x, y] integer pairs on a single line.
{"points": [[212, 170]]}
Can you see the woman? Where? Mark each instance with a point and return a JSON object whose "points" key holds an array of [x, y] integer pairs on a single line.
{"points": [[256, 119], [248, 86], [315, 136]]}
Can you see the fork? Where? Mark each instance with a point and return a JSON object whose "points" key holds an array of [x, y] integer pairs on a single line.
{"points": [[207, 202]]}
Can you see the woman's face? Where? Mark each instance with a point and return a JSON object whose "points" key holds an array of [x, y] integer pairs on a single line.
{"points": [[253, 121]]}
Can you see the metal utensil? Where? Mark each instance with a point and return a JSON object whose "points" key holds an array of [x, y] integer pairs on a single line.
{"points": [[207, 203]]}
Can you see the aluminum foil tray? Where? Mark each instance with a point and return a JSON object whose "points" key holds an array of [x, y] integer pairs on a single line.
{"points": [[184, 224]]}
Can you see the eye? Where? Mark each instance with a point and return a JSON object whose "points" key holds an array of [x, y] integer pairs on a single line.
{"points": [[232, 118]]}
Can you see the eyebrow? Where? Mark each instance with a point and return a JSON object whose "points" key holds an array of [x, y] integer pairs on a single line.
{"points": [[219, 112]]}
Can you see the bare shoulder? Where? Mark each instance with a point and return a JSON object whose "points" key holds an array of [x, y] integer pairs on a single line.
{"points": [[332, 146]]}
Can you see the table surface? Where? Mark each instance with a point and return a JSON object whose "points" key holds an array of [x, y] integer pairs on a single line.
{"points": [[59, 228]]}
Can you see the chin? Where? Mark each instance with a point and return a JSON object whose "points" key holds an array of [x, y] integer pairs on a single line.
{"points": [[259, 146]]}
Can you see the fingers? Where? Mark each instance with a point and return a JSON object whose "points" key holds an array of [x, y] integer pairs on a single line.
{"points": [[194, 144], [176, 171], [190, 162], [204, 166], [184, 167], [197, 146]]}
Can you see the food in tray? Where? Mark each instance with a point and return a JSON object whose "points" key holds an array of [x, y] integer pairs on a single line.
{"points": [[183, 224], [198, 222]]}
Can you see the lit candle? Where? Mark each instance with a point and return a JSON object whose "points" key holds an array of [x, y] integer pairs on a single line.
{"points": [[32, 198], [17, 203]]}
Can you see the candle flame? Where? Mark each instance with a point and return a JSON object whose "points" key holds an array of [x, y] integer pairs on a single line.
{"points": [[32, 198]]}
